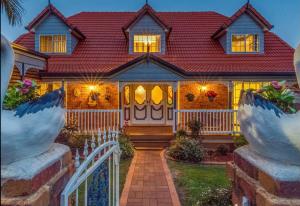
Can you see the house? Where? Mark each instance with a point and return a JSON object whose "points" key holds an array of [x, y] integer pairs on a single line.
{"points": [[155, 71]]}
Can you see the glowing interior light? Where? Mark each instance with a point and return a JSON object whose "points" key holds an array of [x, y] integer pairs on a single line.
{"points": [[92, 87]]}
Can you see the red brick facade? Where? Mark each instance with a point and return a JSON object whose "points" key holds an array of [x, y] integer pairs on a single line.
{"points": [[201, 101], [78, 96]]}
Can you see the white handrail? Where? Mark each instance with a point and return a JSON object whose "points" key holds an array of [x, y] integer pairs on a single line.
{"points": [[214, 121], [89, 120]]}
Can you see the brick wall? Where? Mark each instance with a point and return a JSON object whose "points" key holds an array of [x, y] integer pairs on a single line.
{"points": [[201, 101], [81, 102]]}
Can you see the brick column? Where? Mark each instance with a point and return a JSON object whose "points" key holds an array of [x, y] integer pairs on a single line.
{"points": [[39, 180]]}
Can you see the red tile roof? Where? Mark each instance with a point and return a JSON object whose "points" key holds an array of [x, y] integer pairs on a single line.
{"points": [[189, 46], [50, 9]]}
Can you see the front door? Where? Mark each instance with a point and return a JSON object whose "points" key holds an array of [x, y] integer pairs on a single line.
{"points": [[148, 105]]}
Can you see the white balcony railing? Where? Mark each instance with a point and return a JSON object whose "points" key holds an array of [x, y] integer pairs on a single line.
{"points": [[213, 121], [89, 120]]}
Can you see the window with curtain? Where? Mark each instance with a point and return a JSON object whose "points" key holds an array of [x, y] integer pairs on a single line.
{"points": [[245, 43], [145, 43], [53, 44]]}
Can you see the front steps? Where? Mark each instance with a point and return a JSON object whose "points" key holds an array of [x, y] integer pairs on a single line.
{"points": [[150, 136], [159, 137]]}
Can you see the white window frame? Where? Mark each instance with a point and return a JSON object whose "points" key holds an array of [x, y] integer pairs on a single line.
{"points": [[245, 52], [41, 35], [151, 34]]}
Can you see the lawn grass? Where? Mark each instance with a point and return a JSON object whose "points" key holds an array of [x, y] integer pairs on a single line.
{"points": [[192, 180], [124, 167]]}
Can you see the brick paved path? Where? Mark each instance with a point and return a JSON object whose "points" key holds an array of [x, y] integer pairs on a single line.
{"points": [[150, 181]]}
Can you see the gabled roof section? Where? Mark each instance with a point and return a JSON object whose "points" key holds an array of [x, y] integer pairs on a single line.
{"points": [[148, 57], [146, 9], [50, 9], [246, 9]]}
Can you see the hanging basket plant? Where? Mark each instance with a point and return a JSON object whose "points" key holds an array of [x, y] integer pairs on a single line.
{"points": [[190, 97], [211, 95]]}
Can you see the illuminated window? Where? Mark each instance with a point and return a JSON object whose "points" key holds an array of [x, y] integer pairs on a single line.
{"points": [[156, 95], [238, 86], [53, 44], [170, 95], [140, 94], [244, 43], [145, 43], [127, 95]]}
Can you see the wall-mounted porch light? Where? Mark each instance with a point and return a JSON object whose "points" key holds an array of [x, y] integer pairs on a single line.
{"points": [[202, 88]]}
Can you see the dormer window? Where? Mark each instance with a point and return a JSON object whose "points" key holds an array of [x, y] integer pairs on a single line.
{"points": [[53, 43], [147, 43], [244, 43]]}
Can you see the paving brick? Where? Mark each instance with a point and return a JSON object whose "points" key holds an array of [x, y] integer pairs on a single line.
{"points": [[149, 186]]}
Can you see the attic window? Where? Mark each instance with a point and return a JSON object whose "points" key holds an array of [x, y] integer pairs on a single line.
{"points": [[244, 43], [146, 43], [53, 43]]}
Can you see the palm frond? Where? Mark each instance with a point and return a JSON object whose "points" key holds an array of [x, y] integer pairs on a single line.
{"points": [[13, 10]]}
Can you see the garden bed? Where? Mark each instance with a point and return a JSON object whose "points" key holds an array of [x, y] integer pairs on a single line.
{"points": [[198, 184]]}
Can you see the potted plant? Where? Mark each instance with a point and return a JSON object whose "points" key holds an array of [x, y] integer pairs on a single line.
{"points": [[190, 97], [279, 94], [211, 95]]}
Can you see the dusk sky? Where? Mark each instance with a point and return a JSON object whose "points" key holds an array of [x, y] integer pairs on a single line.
{"points": [[283, 14]]}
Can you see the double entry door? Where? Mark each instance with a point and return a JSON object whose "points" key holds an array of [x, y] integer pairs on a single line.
{"points": [[149, 103]]}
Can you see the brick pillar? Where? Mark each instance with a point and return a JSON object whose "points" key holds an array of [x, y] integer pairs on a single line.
{"points": [[260, 181], [41, 180]]}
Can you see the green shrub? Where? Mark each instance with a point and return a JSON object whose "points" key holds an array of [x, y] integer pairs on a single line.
{"points": [[222, 149], [195, 127], [78, 140], [239, 141], [280, 95], [19, 93], [215, 197], [186, 149], [181, 133], [126, 147]]}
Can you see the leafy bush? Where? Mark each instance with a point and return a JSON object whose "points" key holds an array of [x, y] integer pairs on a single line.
{"points": [[68, 132], [186, 149], [126, 146], [19, 93], [280, 95], [222, 149], [215, 197], [195, 127], [181, 133], [240, 141]]}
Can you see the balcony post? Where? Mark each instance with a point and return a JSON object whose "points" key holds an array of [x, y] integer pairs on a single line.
{"points": [[175, 93]]}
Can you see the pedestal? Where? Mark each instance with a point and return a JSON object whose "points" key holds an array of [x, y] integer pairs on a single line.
{"points": [[261, 181], [39, 180]]}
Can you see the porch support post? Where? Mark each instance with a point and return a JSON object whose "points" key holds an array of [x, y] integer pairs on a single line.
{"points": [[120, 88], [230, 94], [175, 88]]}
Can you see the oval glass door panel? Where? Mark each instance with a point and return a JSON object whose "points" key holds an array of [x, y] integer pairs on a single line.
{"points": [[156, 95], [140, 95]]}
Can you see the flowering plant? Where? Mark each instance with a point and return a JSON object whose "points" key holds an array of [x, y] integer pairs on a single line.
{"points": [[211, 93], [279, 94], [21, 92]]}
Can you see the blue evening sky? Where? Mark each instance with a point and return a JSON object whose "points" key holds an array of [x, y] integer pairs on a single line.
{"points": [[283, 14]]}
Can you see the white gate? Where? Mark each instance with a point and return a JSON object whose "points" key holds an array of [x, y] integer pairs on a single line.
{"points": [[96, 180]]}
